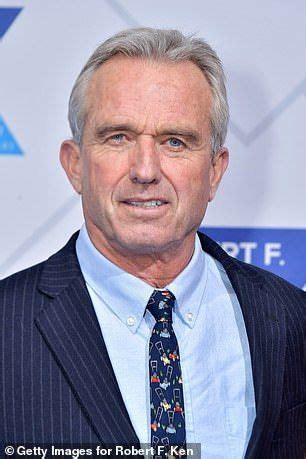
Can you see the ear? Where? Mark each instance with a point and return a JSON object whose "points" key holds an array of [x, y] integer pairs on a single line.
{"points": [[70, 157], [218, 167]]}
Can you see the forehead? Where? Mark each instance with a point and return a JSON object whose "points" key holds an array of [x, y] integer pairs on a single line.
{"points": [[158, 91]]}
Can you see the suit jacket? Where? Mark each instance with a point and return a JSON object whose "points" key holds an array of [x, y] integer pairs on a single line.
{"points": [[58, 384]]}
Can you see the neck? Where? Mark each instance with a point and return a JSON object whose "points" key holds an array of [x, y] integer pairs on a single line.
{"points": [[157, 269]]}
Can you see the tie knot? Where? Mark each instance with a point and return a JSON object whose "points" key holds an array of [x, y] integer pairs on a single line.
{"points": [[160, 305]]}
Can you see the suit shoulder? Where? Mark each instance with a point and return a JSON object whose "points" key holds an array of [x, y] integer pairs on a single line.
{"points": [[18, 284], [290, 295], [270, 277], [272, 282], [28, 279]]}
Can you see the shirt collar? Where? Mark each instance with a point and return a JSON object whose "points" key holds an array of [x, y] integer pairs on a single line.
{"points": [[127, 296], [189, 286]]}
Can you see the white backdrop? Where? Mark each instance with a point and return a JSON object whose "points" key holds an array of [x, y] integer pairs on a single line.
{"points": [[259, 214]]}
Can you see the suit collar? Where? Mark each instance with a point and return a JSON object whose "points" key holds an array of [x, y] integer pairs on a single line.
{"points": [[62, 267], [264, 318], [229, 263]]}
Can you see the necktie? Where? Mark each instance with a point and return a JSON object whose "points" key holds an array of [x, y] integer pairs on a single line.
{"points": [[166, 386]]}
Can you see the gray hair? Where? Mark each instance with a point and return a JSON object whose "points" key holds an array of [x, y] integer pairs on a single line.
{"points": [[155, 44]]}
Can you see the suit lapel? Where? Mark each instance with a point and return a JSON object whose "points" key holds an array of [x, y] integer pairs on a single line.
{"points": [[70, 328], [264, 319]]}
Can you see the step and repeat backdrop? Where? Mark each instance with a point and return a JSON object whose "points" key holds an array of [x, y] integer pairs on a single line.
{"points": [[259, 214]]}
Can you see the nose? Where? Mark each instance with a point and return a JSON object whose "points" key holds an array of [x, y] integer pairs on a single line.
{"points": [[144, 160]]}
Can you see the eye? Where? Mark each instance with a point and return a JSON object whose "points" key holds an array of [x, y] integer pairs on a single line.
{"points": [[117, 138], [175, 143]]}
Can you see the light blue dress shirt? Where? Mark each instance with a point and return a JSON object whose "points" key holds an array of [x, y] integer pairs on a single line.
{"points": [[214, 351]]}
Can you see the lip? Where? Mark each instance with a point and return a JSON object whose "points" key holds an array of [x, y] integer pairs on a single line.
{"points": [[141, 210], [127, 201]]}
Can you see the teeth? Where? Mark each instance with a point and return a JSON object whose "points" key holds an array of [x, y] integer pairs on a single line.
{"points": [[146, 203]]}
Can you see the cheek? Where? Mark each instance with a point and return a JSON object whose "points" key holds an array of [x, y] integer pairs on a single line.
{"points": [[192, 185], [91, 178], [101, 177]]}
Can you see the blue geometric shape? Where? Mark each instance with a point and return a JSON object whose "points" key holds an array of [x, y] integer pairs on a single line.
{"points": [[8, 145], [7, 17], [281, 251]]}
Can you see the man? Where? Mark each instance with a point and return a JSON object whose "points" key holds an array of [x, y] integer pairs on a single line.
{"points": [[140, 330]]}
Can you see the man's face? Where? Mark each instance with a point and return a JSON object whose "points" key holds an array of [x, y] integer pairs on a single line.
{"points": [[146, 139]]}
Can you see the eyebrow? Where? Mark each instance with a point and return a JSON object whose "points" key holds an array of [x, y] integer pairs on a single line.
{"points": [[106, 129]]}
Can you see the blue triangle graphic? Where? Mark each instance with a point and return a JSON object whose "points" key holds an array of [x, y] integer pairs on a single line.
{"points": [[7, 17], [8, 145]]}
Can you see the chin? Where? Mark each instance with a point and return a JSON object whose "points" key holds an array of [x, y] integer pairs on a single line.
{"points": [[143, 246], [147, 244]]}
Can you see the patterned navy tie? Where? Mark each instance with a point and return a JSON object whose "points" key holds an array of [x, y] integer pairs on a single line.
{"points": [[166, 386]]}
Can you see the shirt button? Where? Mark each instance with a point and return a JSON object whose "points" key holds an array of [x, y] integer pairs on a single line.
{"points": [[189, 316], [130, 321]]}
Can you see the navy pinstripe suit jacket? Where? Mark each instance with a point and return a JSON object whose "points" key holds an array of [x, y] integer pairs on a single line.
{"points": [[58, 385]]}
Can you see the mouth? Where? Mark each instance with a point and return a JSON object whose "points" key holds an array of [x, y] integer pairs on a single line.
{"points": [[146, 204]]}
